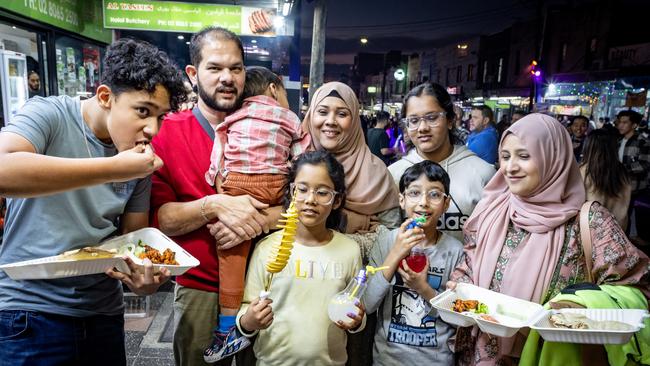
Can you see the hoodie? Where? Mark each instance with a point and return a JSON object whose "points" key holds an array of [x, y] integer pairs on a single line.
{"points": [[468, 175]]}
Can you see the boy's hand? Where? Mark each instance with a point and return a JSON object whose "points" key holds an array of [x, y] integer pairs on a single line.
{"points": [[138, 162], [417, 281], [140, 283], [406, 239], [259, 315], [356, 319], [224, 237]]}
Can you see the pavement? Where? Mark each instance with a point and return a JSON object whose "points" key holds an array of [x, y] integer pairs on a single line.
{"points": [[148, 335]]}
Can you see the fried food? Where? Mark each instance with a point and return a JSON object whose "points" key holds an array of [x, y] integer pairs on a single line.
{"points": [[154, 255], [474, 306]]}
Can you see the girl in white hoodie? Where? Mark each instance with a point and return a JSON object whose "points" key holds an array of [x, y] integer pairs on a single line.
{"points": [[428, 119]]}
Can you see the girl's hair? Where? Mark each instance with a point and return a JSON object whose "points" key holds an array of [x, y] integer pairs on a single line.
{"points": [[336, 174], [258, 79], [441, 96], [433, 171], [603, 171]]}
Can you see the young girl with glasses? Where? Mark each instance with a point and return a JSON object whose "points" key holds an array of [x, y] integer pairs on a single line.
{"points": [[292, 326], [409, 331]]}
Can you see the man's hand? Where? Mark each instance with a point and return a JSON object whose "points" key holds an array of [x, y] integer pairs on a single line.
{"points": [[259, 315], [140, 283], [240, 214], [356, 319], [138, 162]]}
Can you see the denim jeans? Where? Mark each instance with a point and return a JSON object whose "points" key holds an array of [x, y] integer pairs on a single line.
{"points": [[35, 339]]}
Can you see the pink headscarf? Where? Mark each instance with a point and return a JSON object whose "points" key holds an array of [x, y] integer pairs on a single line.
{"points": [[555, 201]]}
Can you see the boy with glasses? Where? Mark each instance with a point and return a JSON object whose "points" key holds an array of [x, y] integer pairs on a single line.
{"points": [[409, 331]]}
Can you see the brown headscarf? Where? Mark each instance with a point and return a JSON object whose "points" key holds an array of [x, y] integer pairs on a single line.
{"points": [[370, 188]]}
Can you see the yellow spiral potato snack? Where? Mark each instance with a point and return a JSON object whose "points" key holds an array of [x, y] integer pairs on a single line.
{"points": [[280, 252]]}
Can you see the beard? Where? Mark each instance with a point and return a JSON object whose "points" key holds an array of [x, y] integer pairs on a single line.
{"points": [[212, 100]]}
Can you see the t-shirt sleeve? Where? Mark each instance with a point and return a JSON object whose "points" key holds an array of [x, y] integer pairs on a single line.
{"points": [[140, 199], [162, 190], [383, 140], [37, 121], [377, 285]]}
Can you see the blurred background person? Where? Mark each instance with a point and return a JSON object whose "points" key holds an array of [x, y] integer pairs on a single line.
{"points": [[460, 132], [34, 83], [606, 180], [578, 132], [378, 140]]}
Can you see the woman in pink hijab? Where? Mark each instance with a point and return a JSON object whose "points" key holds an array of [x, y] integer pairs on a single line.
{"points": [[523, 238]]}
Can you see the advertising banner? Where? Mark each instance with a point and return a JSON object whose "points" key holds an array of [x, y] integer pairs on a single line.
{"points": [[77, 16], [169, 16]]}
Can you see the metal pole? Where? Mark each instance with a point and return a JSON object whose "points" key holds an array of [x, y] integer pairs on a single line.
{"points": [[317, 67]]}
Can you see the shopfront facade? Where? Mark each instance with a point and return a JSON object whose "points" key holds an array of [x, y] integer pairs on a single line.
{"points": [[61, 41]]}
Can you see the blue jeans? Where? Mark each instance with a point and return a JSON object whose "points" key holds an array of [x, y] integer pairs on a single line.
{"points": [[35, 339]]}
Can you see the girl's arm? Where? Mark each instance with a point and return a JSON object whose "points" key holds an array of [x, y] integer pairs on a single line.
{"points": [[249, 319]]}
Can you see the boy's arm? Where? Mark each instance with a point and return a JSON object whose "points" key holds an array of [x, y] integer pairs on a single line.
{"points": [[378, 286], [25, 173]]}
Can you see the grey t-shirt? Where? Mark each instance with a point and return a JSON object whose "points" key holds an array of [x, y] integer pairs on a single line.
{"points": [[409, 331], [50, 225]]}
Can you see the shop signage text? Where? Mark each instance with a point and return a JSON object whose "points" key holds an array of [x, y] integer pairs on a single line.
{"points": [[169, 16], [65, 14]]}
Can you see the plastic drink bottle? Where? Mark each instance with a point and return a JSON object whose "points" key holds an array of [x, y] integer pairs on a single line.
{"points": [[416, 260], [345, 301]]}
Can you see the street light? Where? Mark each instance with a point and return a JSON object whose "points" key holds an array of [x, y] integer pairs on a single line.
{"points": [[364, 40]]}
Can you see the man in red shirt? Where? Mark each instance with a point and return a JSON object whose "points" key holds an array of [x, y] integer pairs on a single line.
{"points": [[185, 205]]}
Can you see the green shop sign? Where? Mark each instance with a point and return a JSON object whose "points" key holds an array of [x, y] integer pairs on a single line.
{"points": [[168, 16], [83, 17]]}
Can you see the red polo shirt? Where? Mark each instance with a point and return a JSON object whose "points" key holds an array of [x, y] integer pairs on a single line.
{"points": [[185, 147]]}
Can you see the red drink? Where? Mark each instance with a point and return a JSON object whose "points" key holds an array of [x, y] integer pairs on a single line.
{"points": [[416, 261]]}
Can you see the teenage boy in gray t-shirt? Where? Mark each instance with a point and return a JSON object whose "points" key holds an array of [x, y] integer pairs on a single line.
{"points": [[409, 331], [76, 172]]}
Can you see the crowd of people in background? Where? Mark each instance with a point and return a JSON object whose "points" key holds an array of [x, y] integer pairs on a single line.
{"points": [[500, 202]]}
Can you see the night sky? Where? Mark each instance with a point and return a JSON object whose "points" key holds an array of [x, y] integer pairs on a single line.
{"points": [[408, 25]]}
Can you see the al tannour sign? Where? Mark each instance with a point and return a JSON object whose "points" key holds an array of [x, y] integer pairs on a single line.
{"points": [[169, 16]]}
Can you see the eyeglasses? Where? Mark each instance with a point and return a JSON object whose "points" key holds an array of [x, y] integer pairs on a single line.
{"points": [[434, 196], [433, 119], [322, 196]]}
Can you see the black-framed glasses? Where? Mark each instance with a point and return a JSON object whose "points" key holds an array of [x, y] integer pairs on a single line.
{"points": [[322, 196], [434, 196], [433, 119]]}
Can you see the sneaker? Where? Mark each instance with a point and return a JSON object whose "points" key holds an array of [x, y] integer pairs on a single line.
{"points": [[225, 345]]}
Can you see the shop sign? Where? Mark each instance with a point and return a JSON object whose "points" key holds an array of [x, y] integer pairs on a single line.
{"points": [[169, 16], [70, 15], [636, 99], [633, 55]]}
